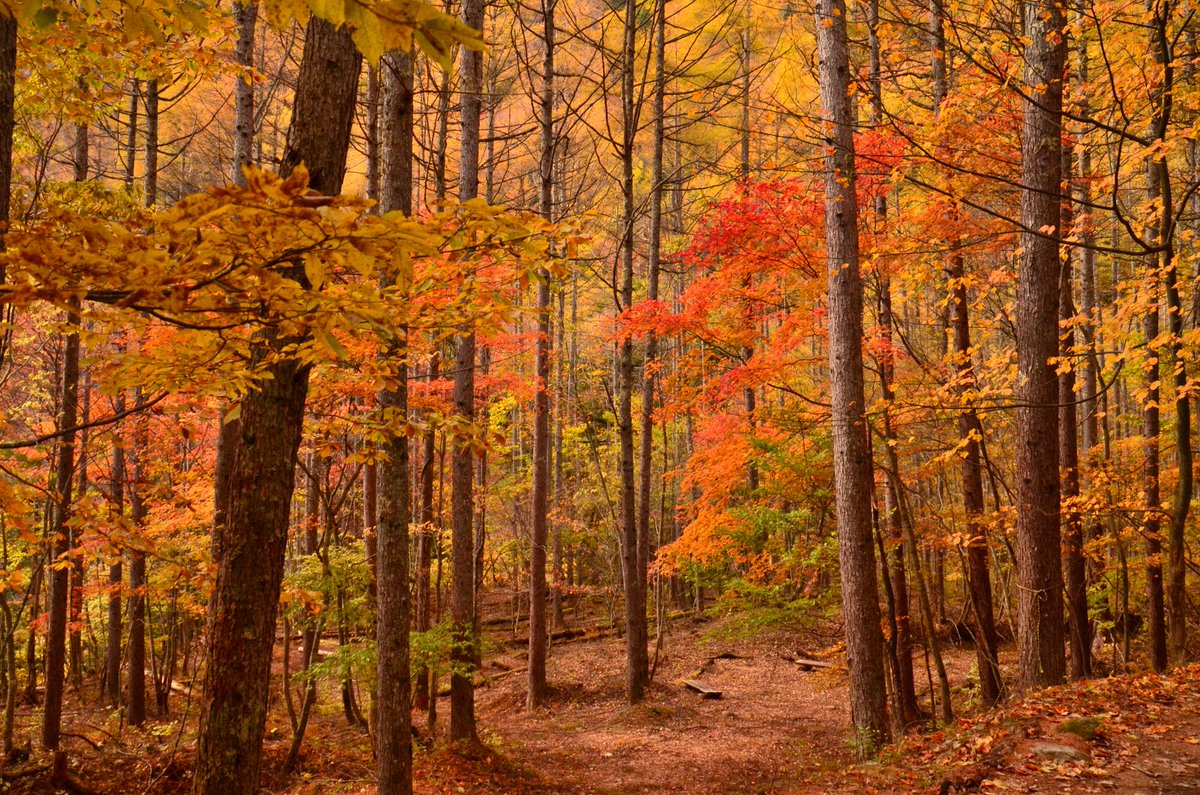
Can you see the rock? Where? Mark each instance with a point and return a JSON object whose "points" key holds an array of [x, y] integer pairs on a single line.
{"points": [[1058, 753]]}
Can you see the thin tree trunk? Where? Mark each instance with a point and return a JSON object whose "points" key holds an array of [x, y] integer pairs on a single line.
{"points": [[462, 507], [1068, 457], [150, 178], [56, 636], [1164, 235], [540, 499], [393, 743], [112, 649], [906, 696], [425, 541], [245, 16], [135, 694], [637, 671]]}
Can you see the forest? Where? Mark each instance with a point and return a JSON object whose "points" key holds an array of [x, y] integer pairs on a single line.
{"points": [[599, 396]]}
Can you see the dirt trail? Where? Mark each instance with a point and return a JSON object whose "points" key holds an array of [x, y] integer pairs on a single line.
{"points": [[774, 725]]}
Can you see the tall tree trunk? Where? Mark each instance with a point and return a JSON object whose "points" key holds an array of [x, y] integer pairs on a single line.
{"points": [[245, 16], [540, 502], [150, 178], [425, 542], [131, 134], [462, 507], [393, 744], [749, 398], [637, 663], [851, 450], [262, 459], [64, 472], [1164, 235], [135, 693], [1068, 463], [112, 648], [75, 608], [1039, 556], [558, 491], [8, 92]]}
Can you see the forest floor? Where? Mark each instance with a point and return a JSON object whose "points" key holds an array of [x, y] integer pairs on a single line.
{"points": [[776, 729]]}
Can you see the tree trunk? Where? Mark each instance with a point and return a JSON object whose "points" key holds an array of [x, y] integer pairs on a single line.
{"points": [[637, 671], [540, 500], [56, 635], [1068, 457], [112, 648], [245, 16], [1039, 556], [425, 541], [1176, 586], [135, 694], [262, 459], [462, 507], [150, 178], [393, 734], [8, 91], [906, 696], [851, 451]]}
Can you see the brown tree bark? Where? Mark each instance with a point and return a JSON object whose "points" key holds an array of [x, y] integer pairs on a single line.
{"points": [[851, 450], [540, 498], [907, 709], [393, 734], [245, 15], [60, 544], [1039, 556], [135, 689], [111, 689], [262, 460], [150, 178], [462, 506], [1075, 567], [423, 620], [637, 662]]}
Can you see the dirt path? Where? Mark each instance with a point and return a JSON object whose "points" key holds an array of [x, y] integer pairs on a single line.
{"points": [[774, 725]]}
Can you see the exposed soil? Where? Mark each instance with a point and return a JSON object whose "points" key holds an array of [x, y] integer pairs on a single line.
{"points": [[773, 723], [776, 728]]}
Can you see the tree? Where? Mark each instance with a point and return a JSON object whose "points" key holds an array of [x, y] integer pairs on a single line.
{"points": [[1039, 556], [262, 458], [540, 503], [394, 743], [462, 694], [851, 451], [633, 545]]}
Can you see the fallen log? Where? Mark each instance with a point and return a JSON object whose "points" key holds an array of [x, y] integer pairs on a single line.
{"points": [[705, 690], [808, 664]]}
